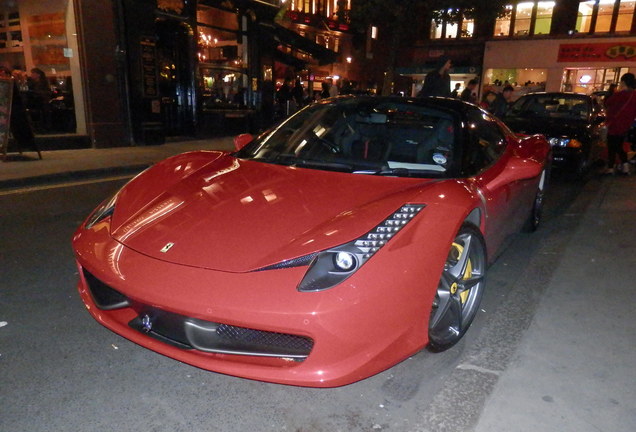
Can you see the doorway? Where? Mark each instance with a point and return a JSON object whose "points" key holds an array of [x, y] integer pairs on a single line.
{"points": [[176, 77]]}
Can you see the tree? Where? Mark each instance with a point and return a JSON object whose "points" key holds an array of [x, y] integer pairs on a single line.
{"points": [[403, 20]]}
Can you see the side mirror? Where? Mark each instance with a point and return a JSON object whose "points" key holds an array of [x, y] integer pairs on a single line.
{"points": [[242, 140]]}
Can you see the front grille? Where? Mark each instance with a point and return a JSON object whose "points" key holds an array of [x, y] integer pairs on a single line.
{"points": [[105, 297], [208, 336], [242, 335], [189, 333]]}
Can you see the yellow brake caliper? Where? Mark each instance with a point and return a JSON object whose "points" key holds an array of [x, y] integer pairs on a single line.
{"points": [[467, 274]]}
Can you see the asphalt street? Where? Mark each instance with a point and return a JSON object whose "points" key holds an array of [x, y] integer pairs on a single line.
{"points": [[552, 348]]}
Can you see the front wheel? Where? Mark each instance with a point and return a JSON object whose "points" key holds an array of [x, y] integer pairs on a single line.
{"points": [[460, 289]]}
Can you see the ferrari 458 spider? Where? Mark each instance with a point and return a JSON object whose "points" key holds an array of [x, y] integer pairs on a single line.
{"points": [[335, 245]]}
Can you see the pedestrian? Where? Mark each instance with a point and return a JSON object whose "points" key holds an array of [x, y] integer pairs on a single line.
{"points": [[455, 93], [298, 93], [324, 93], [469, 94], [19, 122], [621, 112], [487, 100], [285, 99], [502, 102], [437, 81]]}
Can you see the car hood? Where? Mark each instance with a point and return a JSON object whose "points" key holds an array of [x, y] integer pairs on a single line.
{"points": [[239, 215], [547, 126]]}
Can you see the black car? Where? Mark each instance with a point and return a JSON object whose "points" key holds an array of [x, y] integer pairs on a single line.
{"points": [[572, 122]]}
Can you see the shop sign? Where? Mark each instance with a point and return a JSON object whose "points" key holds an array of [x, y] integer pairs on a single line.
{"points": [[149, 67], [597, 52]]}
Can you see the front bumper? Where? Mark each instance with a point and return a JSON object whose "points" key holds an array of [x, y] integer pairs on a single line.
{"points": [[318, 339]]}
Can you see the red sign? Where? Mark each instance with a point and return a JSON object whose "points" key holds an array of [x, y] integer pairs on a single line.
{"points": [[597, 52]]}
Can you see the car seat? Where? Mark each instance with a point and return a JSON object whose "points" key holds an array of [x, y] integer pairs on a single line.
{"points": [[439, 140]]}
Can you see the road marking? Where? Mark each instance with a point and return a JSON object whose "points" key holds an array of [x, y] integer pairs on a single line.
{"points": [[62, 185], [466, 366]]}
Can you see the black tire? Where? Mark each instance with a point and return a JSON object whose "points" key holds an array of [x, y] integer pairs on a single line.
{"points": [[460, 289]]}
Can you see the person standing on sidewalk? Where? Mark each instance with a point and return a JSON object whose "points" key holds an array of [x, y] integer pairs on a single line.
{"points": [[621, 112], [437, 82]]}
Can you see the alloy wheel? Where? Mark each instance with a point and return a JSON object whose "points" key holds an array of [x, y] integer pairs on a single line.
{"points": [[460, 289]]}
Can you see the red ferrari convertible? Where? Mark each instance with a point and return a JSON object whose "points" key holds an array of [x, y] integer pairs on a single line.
{"points": [[328, 249]]}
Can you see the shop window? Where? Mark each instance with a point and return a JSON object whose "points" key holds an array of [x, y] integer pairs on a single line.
{"points": [[221, 79], [451, 30], [222, 88], [502, 25], [468, 28], [584, 18], [625, 15], [218, 37], [36, 45], [524, 80], [544, 17], [591, 80], [452, 20], [523, 18], [604, 17], [329, 42]]}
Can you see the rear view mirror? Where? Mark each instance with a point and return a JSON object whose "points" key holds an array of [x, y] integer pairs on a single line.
{"points": [[242, 140]]}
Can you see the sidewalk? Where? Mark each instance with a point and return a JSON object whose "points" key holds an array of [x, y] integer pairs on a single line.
{"points": [[575, 368], [64, 165]]}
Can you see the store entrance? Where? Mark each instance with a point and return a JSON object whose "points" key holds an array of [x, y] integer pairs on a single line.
{"points": [[176, 83]]}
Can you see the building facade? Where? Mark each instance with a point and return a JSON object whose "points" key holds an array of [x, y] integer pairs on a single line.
{"points": [[562, 45], [133, 72]]}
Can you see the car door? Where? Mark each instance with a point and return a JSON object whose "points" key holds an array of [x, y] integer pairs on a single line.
{"points": [[485, 157]]}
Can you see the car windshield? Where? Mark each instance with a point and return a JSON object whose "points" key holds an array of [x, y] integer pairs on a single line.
{"points": [[362, 136], [557, 106]]}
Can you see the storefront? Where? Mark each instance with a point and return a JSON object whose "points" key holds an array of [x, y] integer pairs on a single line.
{"points": [[578, 65], [38, 43], [134, 72], [201, 68]]}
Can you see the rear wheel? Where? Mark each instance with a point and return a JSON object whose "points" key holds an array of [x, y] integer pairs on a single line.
{"points": [[460, 289]]}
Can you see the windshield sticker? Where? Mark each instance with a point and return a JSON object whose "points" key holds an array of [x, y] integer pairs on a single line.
{"points": [[415, 166], [439, 159]]}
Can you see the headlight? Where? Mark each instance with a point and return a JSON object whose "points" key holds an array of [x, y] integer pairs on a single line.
{"points": [[104, 210], [565, 142], [333, 266]]}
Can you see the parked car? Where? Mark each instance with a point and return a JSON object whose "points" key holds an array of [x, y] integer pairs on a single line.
{"points": [[330, 248], [573, 123]]}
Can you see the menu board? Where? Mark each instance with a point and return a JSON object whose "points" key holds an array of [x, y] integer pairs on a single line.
{"points": [[149, 67], [6, 93]]}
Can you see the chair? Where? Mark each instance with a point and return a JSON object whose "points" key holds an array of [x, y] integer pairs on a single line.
{"points": [[441, 139], [370, 149]]}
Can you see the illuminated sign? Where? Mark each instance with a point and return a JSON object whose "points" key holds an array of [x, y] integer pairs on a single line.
{"points": [[597, 52]]}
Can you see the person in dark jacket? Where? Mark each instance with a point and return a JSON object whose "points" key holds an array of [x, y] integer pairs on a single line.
{"points": [[437, 82], [469, 94], [502, 102], [621, 112], [19, 122]]}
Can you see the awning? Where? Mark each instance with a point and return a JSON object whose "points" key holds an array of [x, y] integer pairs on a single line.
{"points": [[293, 40], [289, 60], [424, 69]]}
